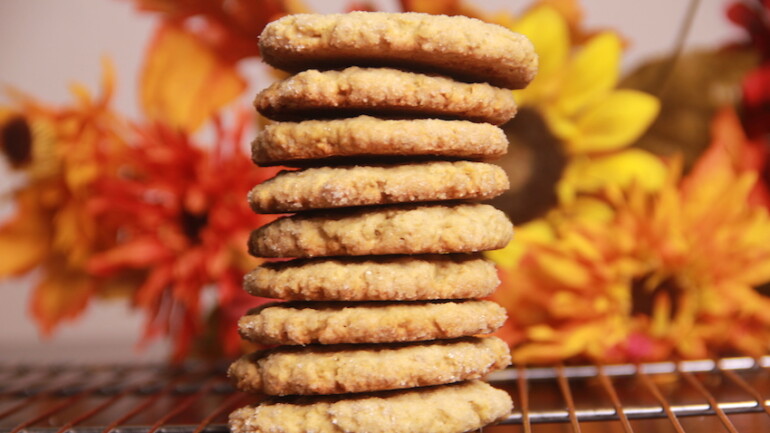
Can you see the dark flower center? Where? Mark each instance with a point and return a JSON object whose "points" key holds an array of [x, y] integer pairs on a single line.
{"points": [[193, 223], [643, 298], [16, 142], [763, 289], [534, 164]]}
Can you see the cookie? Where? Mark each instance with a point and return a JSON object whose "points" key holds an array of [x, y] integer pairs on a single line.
{"points": [[383, 91], [462, 407], [425, 229], [457, 45], [300, 323], [333, 187], [287, 143], [454, 276], [310, 370]]}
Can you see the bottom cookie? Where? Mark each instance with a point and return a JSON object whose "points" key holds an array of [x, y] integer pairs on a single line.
{"points": [[457, 408]]}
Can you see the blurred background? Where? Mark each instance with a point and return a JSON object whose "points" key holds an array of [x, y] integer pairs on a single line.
{"points": [[47, 45]]}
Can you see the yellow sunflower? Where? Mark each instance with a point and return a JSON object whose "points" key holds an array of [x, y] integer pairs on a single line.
{"points": [[575, 93], [60, 151]]}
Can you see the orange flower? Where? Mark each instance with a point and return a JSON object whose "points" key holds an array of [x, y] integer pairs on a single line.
{"points": [[731, 146], [95, 214], [228, 27], [61, 152], [183, 221], [191, 69], [184, 82], [644, 275], [441, 7]]}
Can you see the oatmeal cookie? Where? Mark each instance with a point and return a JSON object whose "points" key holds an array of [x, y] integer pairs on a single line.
{"points": [[311, 370], [429, 229], [465, 47], [458, 408], [290, 143], [300, 323], [451, 276], [334, 187], [383, 91]]}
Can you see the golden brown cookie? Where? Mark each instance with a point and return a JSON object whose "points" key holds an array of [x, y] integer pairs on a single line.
{"points": [[457, 408], [383, 91], [453, 276], [288, 143], [310, 370], [465, 47], [300, 323], [334, 187], [426, 229]]}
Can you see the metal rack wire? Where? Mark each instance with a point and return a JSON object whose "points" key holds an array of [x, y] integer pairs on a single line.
{"points": [[730, 395]]}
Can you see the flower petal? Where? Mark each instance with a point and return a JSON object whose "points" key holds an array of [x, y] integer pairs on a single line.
{"points": [[591, 74], [729, 153], [563, 127], [590, 211], [614, 122], [564, 270], [756, 86], [548, 32], [61, 295], [184, 82], [537, 231], [434, 7], [142, 251], [619, 170], [24, 240], [572, 11]]}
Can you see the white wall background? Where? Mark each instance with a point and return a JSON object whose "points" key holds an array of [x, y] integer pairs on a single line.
{"points": [[47, 44]]}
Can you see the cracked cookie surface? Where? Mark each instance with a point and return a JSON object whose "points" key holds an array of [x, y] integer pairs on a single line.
{"points": [[466, 47], [301, 323], [457, 408], [292, 142], [338, 369], [333, 187], [452, 276], [383, 91], [430, 229]]}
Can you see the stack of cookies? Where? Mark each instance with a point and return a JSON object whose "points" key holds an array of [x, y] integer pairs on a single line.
{"points": [[387, 116]]}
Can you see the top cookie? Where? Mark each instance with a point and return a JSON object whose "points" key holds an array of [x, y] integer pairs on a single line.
{"points": [[464, 47]]}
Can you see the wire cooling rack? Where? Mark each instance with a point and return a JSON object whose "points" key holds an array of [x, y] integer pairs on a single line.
{"points": [[731, 395]]}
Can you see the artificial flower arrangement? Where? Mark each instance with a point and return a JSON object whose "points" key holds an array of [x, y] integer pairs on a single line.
{"points": [[630, 251]]}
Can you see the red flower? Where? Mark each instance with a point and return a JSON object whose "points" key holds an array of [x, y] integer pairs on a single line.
{"points": [[754, 17], [183, 221], [229, 27], [756, 101]]}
